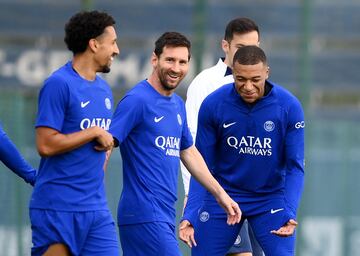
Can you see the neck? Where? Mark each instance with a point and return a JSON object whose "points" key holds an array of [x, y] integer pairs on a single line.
{"points": [[84, 67], [227, 62], [156, 84]]}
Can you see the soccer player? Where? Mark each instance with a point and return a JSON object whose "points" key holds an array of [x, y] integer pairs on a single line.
{"points": [[251, 135], [239, 32], [68, 208], [150, 126], [12, 158]]}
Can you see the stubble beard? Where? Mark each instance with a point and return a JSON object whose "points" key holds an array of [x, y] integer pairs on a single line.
{"points": [[105, 69], [165, 85]]}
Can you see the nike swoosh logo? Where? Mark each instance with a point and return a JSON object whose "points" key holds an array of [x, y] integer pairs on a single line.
{"points": [[158, 119], [84, 104], [228, 125], [272, 211]]}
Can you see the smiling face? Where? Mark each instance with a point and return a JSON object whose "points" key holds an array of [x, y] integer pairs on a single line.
{"points": [[106, 49], [250, 80], [170, 68]]}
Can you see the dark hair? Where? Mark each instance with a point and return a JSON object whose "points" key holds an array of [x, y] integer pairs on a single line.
{"points": [[240, 26], [84, 26], [249, 55], [174, 39]]}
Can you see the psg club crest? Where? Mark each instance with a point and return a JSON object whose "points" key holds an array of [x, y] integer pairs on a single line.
{"points": [[204, 216], [108, 103], [269, 126]]}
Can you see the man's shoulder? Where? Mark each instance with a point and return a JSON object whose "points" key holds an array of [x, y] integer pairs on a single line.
{"points": [[210, 73], [284, 96], [178, 98], [220, 95], [137, 91], [63, 70], [138, 96], [208, 81], [56, 81], [102, 81], [60, 75]]}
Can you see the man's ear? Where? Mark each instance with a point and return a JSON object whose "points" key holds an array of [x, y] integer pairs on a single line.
{"points": [[93, 44], [267, 72], [225, 46], [154, 59]]}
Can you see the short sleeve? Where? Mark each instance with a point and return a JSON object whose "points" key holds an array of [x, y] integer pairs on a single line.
{"points": [[186, 137], [52, 103], [127, 115]]}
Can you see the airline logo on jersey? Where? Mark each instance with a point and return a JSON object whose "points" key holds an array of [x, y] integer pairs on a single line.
{"points": [[300, 125], [251, 145], [101, 122], [169, 144]]}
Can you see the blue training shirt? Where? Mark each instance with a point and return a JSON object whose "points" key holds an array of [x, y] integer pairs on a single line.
{"points": [[255, 152], [72, 181], [152, 130], [12, 158]]}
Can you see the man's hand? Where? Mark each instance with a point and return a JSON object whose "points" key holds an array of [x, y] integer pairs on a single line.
{"points": [[287, 230], [231, 207], [186, 233], [196, 165], [104, 139], [107, 157]]}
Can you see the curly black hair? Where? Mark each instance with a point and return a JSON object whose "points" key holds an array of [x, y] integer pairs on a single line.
{"points": [[84, 26]]}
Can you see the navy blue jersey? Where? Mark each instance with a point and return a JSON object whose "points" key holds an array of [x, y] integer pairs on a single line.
{"points": [[152, 130], [12, 158], [256, 152], [72, 181]]}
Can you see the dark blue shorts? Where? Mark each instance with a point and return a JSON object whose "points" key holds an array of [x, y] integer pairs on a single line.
{"points": [[246, 242], [84, 233], [214, 237], [150, 239], [242, 243]]}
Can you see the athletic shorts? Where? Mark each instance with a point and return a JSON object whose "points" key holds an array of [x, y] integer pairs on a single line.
{"points": [[150, 239], [214, 237], [84, 233], [255, 246], [242, 243]]}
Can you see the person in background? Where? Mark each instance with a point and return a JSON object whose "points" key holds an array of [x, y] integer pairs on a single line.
{"points": [[13, 159], [239, 32], [68, 208]]}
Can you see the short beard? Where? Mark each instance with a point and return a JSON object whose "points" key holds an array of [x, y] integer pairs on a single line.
{"points": [[105, 69], [166, 86]]}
